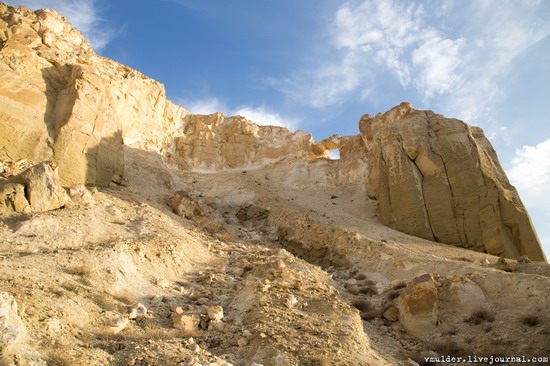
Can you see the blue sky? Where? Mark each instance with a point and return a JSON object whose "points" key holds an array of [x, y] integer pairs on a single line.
{"points": [[319, 65]]}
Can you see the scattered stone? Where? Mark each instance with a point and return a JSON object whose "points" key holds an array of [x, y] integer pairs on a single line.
{"points": [[80, 195], [391, 314], [291, 301], [524, 259], [138, 311], [242, 342], [216, 325], [187, 324], [184, 205], [118, 324], [164, 283], [215, 313]]}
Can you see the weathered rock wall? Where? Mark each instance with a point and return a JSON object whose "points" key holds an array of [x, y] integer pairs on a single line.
{"points": [[215, 142], [60, 101], [440, 179]]}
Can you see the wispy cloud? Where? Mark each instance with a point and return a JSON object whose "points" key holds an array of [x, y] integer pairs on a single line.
{"points": [[530, 173], [453, 54], [203, 106], [83, 15], [260, 115], [375, 36]]}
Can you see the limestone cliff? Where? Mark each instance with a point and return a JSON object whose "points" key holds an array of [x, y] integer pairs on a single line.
{"points": [[440, 179], [60, 101], [435, 178]]}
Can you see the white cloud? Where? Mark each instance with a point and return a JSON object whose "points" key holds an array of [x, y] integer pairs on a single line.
{"points": [[372, 37], [203, 106], [262, 116], [82, 14], [530, 174]]}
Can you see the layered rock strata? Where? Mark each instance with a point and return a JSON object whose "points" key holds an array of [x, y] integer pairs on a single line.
{"points": [[440, 179]]}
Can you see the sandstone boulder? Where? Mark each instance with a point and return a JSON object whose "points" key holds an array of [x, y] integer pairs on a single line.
{"points": [[184, 205], [418, 306], [440, 179], [36, 189]]}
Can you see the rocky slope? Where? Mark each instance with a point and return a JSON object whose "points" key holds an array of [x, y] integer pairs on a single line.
{"points": [[209, 240]]}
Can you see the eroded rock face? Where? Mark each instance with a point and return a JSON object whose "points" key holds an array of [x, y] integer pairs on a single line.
{"points": [[439, 179], [36, 189], [60, 101], [418, 306], [215, 142]]}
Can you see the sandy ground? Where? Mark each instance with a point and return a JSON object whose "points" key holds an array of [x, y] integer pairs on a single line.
{"points": [[297, 260]]}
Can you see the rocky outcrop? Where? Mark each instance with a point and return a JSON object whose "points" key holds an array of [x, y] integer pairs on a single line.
{"points": [[418, 306], [59, 101], [14, 339], [215, 142], [440, 179], [36, 189]]}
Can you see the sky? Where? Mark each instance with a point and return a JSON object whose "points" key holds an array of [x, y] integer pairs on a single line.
{"points": [[319, 66]]}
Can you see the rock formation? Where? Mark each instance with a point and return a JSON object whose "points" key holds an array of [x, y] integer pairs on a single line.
{"points": [[228, 243], [435, 178], [36, 189], [440, 179]]}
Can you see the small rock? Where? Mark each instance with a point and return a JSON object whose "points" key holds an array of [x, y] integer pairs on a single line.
{"points": [[279, 264], [118, 325], [242, 342], [524, 259], [392, 314], [138, 311], [164, 283], [215, 313], [187, 324], [216, 325], [156, 300], [291, 301], [412, 362]]}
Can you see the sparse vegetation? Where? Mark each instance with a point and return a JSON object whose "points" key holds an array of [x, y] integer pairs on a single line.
{"points": [[368, 290], [530, 320], [448, 347], [399, 285], [362, 305], [392, 295], [83, 270], [480, 316]]}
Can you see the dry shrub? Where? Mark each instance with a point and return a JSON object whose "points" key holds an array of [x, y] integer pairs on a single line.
{"points": [[447, 347], [371, 315], [362, 305], [83, 270], [368, 290], [392, 295], [399, 285], [530, 320], [480, 316]]}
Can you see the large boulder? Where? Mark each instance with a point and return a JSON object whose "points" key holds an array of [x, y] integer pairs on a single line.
{"points": [[418, 306], [36, 189], [440, 179]]}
